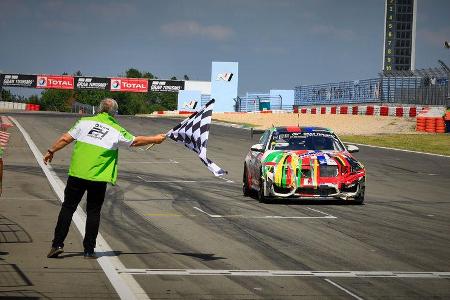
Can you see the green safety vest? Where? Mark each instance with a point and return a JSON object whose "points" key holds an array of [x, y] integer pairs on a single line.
{"points": [[96, 150]]}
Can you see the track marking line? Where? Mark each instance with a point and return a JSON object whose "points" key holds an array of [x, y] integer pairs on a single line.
{"points": [[396, 149], [171, 161], [166, 181], [287, 273], [126, 286], [321, 212], [327, 216], [343, 289], [163, 215], [183, 181]]}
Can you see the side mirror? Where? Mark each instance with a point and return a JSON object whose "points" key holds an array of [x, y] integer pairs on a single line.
{"points": [[352, 148], [257, 147]]}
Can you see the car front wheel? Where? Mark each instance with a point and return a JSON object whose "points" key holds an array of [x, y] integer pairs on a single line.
{"points": [[246, 190]]}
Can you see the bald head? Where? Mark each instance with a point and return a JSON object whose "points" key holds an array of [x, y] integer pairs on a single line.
{"points": [[109, 106]]}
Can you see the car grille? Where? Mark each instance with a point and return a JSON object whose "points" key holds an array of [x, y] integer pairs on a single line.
{"points": [[328, 171], [320, 191]]}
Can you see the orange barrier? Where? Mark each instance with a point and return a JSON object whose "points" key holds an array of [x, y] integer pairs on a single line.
{"points": [[430, 124], [420, 124], [440, 125]]}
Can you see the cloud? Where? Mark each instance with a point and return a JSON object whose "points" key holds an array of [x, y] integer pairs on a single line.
{"points": [[195, 29], [333, 32]]}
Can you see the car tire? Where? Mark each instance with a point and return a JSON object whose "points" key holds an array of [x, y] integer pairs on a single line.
{"points": [[261, 197], [360, 198], [246, 190]]}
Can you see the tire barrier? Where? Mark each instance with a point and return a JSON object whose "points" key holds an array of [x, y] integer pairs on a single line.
{"points": [[440, 125], [431, 124], [420, 124]]}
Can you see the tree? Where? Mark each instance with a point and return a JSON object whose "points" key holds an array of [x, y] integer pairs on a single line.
{"points": [[173, 78], [148, 75], [186, 77], [8, 96], [57, 100], [133, 73]]}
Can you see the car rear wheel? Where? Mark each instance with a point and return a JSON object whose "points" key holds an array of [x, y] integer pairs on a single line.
{"points": [[246, 190]]}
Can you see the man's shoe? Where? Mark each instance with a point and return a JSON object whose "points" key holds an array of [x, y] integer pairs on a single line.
{"points": [[90, 255], [55, 252]]}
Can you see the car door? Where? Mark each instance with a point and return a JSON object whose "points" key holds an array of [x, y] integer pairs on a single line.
{"points": [[255, 159]]}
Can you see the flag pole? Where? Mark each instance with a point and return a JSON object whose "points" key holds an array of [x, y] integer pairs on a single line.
{"points": [[151, 145]]}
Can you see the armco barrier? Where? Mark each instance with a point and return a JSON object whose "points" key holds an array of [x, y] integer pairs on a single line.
{"points": [[4, 105], [368, 110]]}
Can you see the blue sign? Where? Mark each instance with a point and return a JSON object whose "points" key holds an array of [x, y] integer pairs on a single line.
{"points": [[189, 100], [224, 85]]}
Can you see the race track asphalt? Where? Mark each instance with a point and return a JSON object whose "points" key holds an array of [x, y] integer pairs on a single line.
{"points": [[169, 212]]}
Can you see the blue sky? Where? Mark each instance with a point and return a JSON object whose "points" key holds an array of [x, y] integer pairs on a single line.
{"points": [[278, 44]]}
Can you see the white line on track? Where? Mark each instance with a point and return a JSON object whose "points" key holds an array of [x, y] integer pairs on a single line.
{"points": [[396, 149], [287, 273], [343, 289], [166, 181], [124, 284], [183, 181], [327, 216], [171, 161]]}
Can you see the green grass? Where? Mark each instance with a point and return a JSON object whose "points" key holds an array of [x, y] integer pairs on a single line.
{"points": [[432, 143]]}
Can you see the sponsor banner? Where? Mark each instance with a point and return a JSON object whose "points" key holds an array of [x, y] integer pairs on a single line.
{"points": [[224, 85], [166, 85], [55, 82], [138, 85], [189, 100], [18, 80], [92, 83]]}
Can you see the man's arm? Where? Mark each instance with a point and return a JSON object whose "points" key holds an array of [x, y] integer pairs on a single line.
{"points": [[60, 143], [143, 140]]}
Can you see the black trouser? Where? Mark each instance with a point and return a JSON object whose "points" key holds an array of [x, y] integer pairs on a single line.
{"points": [[73, 193]]}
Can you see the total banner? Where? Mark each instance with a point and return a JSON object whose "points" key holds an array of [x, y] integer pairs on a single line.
{"points": [[18, 80], [92, 83], [137, 85], [166, 85], [55, 82]]}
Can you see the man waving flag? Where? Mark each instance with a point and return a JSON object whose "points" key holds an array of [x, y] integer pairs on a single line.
{"points": [[193, 133]]}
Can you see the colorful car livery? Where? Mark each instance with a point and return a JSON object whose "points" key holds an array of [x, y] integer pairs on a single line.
{"points": [[303, 163]]}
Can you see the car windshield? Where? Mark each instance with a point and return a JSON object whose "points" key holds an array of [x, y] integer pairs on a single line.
{"points": [[304, 141]]}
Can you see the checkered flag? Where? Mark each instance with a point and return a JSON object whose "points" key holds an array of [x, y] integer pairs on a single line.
{"points": [[193, 133]]}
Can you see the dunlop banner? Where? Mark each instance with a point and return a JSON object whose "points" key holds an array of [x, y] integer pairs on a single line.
{"points": [[92, 83], [166, 85], [18, 80]]}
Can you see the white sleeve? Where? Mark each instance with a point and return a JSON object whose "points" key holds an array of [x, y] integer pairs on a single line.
{"points": [[75, 131]]}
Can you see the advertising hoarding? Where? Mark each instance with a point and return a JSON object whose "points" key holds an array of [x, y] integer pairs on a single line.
{"points": [[224, 85]]}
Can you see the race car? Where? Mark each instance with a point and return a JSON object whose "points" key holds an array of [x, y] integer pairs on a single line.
{"points": [[303, 163]]}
